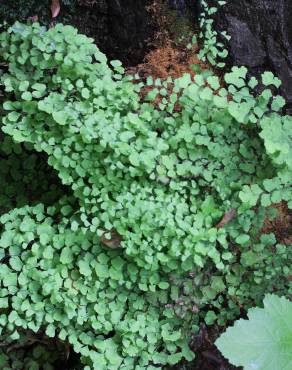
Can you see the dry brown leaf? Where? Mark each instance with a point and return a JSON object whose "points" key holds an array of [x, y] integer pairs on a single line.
{"points": [[55, 8], [228, 216], [115, 240]]}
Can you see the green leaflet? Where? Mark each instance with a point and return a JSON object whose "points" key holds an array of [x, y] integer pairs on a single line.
{"points": [[277, 136]]}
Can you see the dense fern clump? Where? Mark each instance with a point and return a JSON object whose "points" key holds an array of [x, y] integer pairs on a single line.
{"points": [[161, 230]]}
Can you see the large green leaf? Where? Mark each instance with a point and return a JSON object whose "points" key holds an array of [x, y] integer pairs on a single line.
{"points": [[264, 341]]}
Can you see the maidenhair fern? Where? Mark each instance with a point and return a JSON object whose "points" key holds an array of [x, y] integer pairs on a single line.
{"points": [[156, 227], [213, 48]]}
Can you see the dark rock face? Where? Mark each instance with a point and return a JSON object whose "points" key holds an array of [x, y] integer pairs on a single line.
{"points": [[261, 37], [120, 28]]}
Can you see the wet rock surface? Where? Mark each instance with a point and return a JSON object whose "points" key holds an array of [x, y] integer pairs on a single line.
{"points": [[261, 37], [121, 28]]}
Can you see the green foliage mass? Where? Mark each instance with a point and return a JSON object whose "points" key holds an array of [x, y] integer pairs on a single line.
{"points": [[127, 265], [264, 341]]}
